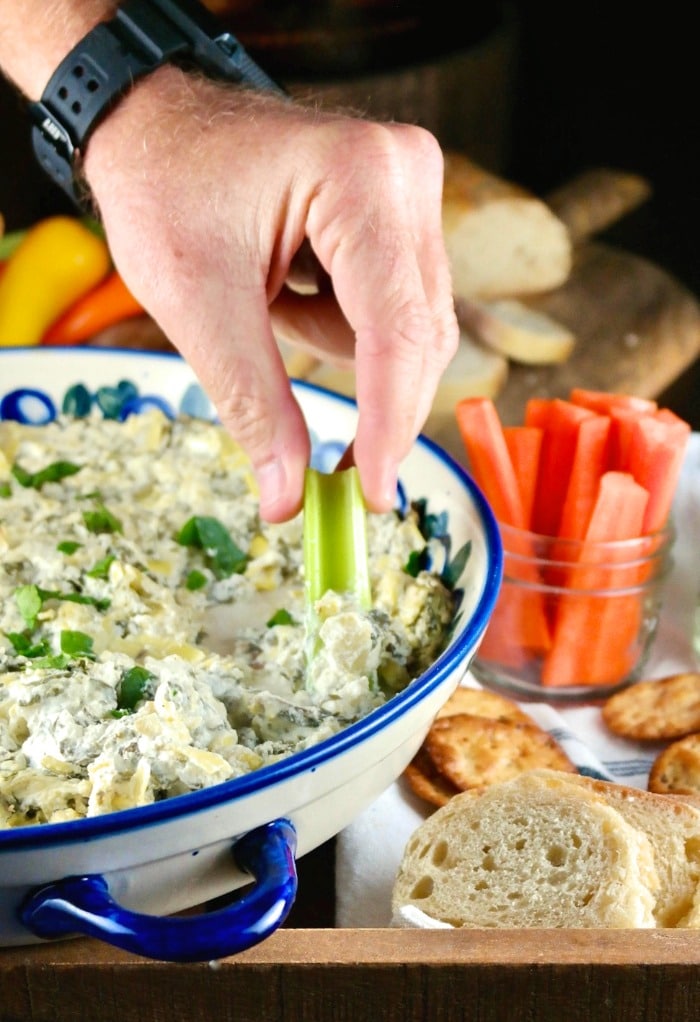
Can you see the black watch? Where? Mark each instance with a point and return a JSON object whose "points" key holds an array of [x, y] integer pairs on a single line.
{"points": [[142, 36]]}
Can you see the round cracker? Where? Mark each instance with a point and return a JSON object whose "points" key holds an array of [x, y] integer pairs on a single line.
{"points": [[483, 703], [676, 770], [426, 781], [654, 710], [474, 751]]}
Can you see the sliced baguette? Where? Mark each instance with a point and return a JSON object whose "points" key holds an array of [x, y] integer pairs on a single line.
{"points": [[535, 851], [673, 828], [513, 329], [501, 240]]}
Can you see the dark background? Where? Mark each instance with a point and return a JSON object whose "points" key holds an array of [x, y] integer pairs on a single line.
{"points": [[595, 89]]}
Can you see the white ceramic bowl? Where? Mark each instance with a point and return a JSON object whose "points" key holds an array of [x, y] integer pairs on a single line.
{"points": [[120, 877]]}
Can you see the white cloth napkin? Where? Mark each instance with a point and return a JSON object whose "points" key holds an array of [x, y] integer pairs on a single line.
{"points": [[369, 850]]}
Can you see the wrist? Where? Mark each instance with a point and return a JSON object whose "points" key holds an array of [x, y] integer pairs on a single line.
{"points": [[35, 37], [145, 119], [103, 66]]}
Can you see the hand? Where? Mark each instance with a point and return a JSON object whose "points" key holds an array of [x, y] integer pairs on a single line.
{"points": [[209, 194]]}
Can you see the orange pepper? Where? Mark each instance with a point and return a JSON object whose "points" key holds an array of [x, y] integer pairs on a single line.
{"points": [[108, 303]]}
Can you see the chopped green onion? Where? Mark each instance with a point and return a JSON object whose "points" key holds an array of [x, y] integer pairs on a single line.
{"points": [[5, 489], [101, 520], [133, 687], [195, 580], [76, 644], [53, 662], [280, 617], [29, 602], [68, 546], [101, 567], [23, 645], [52, 473], [31, 598]]}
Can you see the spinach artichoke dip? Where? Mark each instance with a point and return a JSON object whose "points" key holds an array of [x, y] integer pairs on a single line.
{"points": [[152, 626]]}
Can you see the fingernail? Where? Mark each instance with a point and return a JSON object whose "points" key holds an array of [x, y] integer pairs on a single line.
{"points": [[390, 482]]}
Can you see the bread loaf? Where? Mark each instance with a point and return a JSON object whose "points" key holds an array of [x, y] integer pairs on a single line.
{"points": [[535, 851], [501, 240], [597, 198]]}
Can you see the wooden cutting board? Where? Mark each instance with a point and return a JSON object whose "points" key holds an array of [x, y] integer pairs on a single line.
{"points": [[637, 330]]}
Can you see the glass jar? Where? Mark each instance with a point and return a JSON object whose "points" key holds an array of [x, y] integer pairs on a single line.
{"points": [[575, 620]]}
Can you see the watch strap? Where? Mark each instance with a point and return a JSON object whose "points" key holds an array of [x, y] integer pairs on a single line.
{"points": [[142, 36]]}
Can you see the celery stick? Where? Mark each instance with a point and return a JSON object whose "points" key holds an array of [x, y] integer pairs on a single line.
{"points": [[335, 540]]}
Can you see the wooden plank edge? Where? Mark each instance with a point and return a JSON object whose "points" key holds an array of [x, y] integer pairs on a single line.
{"points": [[403, 947]]}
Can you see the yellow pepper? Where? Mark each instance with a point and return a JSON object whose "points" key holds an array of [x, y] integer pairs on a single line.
{"points": [[57, 261]]}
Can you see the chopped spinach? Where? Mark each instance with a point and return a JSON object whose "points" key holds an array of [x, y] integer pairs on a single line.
{"points": [[222, 555]]}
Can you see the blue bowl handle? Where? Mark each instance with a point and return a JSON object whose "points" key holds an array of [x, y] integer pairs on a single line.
{"points": [[82, 904]]}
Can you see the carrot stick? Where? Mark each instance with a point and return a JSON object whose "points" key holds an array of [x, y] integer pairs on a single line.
{"points": [[680, 427], [599, 467], [622, 424], [561, 425], [605, 402], [594, 636], [537, 412], [624, 410], [482, 434], [656, 456], [656, 445], [588, 465], [619, 509], [103, 306], [518, 626], [524, 444], [516, 632]]}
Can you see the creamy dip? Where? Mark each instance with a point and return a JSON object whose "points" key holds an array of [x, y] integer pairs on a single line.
{"points": [[152, 626]]}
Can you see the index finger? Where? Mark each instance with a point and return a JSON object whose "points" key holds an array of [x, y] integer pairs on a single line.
{"points": [[391, 278]]}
